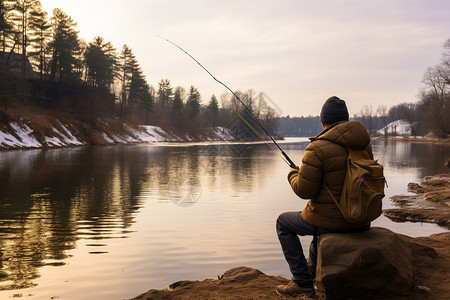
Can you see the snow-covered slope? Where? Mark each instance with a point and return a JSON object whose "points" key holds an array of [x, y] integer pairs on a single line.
{"points": [[399, 127], [22, 136]]}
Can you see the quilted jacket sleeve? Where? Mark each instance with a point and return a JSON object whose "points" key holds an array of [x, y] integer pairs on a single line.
{"points": [[306, 182]]}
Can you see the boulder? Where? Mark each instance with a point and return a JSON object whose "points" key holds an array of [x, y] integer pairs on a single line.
{"points": [[373, 264]]}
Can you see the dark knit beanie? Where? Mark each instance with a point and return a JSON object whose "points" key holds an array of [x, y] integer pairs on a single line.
{"points": [[333, 110]]}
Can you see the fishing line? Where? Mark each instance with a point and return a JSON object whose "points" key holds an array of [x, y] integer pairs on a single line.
{"points": [[285, 157]]}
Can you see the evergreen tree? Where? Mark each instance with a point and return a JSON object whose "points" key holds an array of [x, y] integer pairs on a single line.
{"points": [[147, 101], [193, 103], [40, 39], [25, 14], [135, 92], [176, 112], [100, 61], [5, 27], [65, 47], [212, 111], [127, 66], [165, 94], [138, 89], [177, 103]]}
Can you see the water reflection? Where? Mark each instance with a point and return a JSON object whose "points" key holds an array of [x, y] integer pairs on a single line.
{"points": [[426, 158], [49, 200], [43, 197]]}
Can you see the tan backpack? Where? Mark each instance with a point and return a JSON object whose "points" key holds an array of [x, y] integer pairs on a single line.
{"points": [[363, 190]]}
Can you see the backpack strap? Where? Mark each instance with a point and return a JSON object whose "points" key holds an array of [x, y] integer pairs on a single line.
{"points": [[334, 200]]}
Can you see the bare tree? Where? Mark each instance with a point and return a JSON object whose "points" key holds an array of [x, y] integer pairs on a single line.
{"points": [[382, 113], [435, 98], [366, 115]]}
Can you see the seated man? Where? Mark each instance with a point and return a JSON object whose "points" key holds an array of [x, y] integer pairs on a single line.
{"points": [[324, 163]]}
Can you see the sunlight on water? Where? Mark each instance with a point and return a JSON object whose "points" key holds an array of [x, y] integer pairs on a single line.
{"points": [[113, 222]]}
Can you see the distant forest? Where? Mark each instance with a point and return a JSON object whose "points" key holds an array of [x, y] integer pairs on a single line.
{"points": [[44, 62], [310, 126]]}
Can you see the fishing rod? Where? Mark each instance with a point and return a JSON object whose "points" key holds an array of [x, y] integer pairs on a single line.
{"points": [[285, 157]]}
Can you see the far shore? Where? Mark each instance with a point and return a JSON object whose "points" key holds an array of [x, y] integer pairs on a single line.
{"points": [[415, 139]]}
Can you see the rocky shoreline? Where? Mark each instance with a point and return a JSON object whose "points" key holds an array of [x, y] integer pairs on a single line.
{"points": [[429, 203]]}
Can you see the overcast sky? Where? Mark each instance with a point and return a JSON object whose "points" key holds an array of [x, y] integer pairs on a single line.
{"points": [[297, 52]]}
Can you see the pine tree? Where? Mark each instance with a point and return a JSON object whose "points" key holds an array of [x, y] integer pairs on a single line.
{"points": [[24, 15], [5, 27], [127, 65], [147, 100], [165, 94], [176, 112], [65, 47], [212, 111], [193, 103], [177, 103], [40, 38], [100, 61], [135, 92]]}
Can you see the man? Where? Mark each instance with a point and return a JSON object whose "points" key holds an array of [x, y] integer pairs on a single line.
{"points": [[324, 163]]}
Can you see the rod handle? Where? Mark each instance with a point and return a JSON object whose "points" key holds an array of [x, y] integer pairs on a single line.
{"points": [[291, 163]]}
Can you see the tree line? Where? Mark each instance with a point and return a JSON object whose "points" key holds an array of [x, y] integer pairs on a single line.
{"points": [[56, 52], [430, 115]]}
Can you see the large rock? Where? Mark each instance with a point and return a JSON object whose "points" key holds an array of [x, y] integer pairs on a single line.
{"points": [[373, 264]]}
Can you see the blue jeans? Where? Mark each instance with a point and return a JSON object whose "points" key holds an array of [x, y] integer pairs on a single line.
{"points": [[289, 226]]}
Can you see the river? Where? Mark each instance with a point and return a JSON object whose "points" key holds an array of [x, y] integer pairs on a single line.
{"points": [[112, 222]]}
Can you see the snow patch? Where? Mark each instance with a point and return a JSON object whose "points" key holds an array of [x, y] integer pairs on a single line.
{"points": [[107, 139], [223, 133], [150, 134], [69, 138], [399, 127], [64, 138], [25, 137]]}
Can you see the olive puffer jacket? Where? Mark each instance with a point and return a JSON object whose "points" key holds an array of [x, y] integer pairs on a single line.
{"points": [[324, 163]]}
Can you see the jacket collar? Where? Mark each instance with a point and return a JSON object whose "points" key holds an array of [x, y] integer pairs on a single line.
{"points": [[312, 139]]}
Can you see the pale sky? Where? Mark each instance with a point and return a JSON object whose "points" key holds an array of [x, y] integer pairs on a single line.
{"points": [[297, 52]]}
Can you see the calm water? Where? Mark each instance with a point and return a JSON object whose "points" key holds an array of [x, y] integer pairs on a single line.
{"points": [[113, 222]]}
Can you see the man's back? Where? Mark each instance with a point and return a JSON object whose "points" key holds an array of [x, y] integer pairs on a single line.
{"points": [[324, 163]]}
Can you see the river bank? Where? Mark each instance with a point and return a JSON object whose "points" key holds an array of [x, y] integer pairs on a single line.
{"points": [[430, 202], [30, 127], [27, 128], [416, 139]]}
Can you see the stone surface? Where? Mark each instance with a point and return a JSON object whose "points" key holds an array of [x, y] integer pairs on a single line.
{"points": [[375, 263]]}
